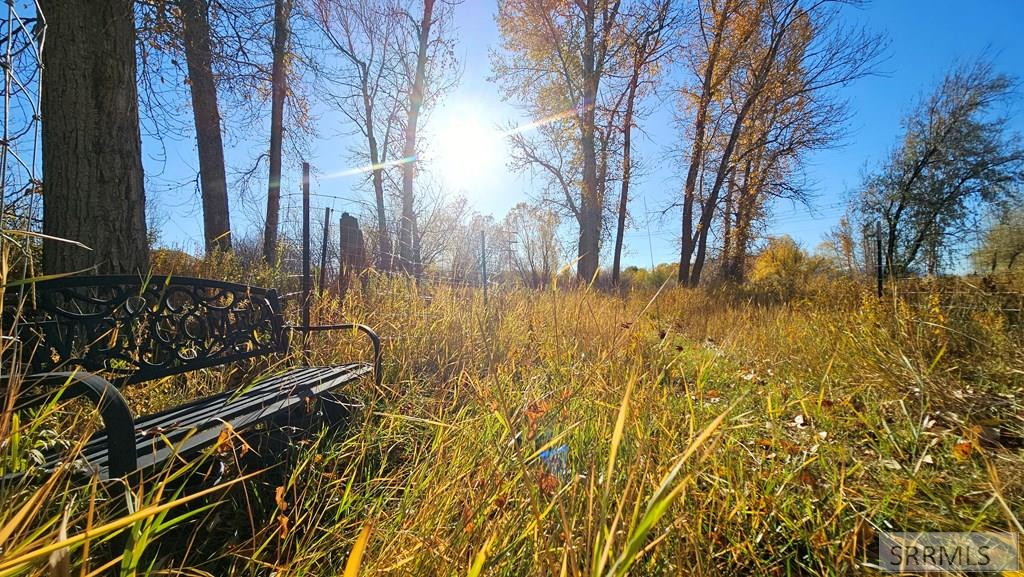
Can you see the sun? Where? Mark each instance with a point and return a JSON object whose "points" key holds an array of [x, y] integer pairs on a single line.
{"points": [[467, 151]]}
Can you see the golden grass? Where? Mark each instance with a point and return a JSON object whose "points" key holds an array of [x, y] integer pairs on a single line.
{"points": [[705, 435]]}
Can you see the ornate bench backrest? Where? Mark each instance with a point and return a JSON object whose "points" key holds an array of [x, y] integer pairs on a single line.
{"points": [[136, 329]]}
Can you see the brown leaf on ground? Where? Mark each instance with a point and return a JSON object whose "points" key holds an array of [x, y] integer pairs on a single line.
{"points": [[962, 450], [279, 499], [282, 526], [548, 484]]}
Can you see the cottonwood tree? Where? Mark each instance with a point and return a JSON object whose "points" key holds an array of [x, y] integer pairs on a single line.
{"points": [[212, 48], [550, 148], [646, 28], [278, 93], [840, 248], [555, 56], [956, 158], [366, 87], [239, 63], [436, 215], [197, 43], [532, 243], [755, 48], [92, 150], [427, 62], [711, 63], [776, 136], [1002, 248]]}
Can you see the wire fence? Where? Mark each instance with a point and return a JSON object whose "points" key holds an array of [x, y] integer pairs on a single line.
{"points": [[22, 32]]}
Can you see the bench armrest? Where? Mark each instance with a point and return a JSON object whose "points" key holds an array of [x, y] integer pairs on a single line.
{"points": [[118, 422], [378, 374]]}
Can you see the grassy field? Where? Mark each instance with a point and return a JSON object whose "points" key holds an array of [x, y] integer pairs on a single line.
{"points": [[579, 432]]}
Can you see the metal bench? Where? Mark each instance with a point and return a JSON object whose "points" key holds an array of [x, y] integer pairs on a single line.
{"points": [[92, 336]]}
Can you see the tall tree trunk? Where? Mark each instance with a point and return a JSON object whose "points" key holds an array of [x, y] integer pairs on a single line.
{"points": [[383, 239], [279, 89], [744, 219], [727, 233], [590, 201], [627, 129], [686, 244], [212, 176], [92, 149], [711, 203], [891, 220], [407, 229], [741, 215]]}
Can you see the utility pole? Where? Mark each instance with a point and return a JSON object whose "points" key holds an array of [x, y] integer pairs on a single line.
{"points": [[323, 250], [878, 257], [306, 280]]}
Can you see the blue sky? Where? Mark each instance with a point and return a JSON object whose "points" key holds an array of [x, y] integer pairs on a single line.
{"points": [[925, 39]]}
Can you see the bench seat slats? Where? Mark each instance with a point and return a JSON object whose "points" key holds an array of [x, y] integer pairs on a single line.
{"points": [[121, 330], [200, 410], [187, 429]]}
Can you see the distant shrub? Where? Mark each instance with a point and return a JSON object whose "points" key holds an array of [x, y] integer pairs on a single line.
{"points": [[785, 270]]}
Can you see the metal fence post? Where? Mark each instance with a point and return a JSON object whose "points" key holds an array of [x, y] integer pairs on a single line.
{"points": [[323, 251], [306, 280]]}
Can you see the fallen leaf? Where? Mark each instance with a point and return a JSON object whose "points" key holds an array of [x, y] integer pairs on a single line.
{"points": [[962, 450], [807, 479], [548, 484], [279, 499], [282, 524]]}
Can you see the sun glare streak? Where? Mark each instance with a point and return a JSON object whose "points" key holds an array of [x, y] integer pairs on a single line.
{"points": [[538, 123], [368, 168], [467, 151]]}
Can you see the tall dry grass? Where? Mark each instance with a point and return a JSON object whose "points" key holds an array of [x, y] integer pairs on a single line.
{"points": [[703, 434]]}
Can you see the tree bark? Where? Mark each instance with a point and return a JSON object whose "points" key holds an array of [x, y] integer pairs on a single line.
{"points": [[92, 150], [627, 129], [760, 78], [407, 230], [383, 239], [697, 153], [744, 217], [727, 233], [279, 89], [212, 175], [590, 203]]}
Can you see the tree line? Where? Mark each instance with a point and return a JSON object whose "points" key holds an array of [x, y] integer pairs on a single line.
{"points": [[756, 86], [118, 67]]}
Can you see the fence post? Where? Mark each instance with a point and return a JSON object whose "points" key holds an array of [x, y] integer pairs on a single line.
{"points": [[306, 280], [323, 251], [342, 268], [483, 263], [878, 257]]}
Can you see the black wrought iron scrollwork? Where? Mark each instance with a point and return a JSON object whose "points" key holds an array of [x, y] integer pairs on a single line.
{"points": [[138, 329]]}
